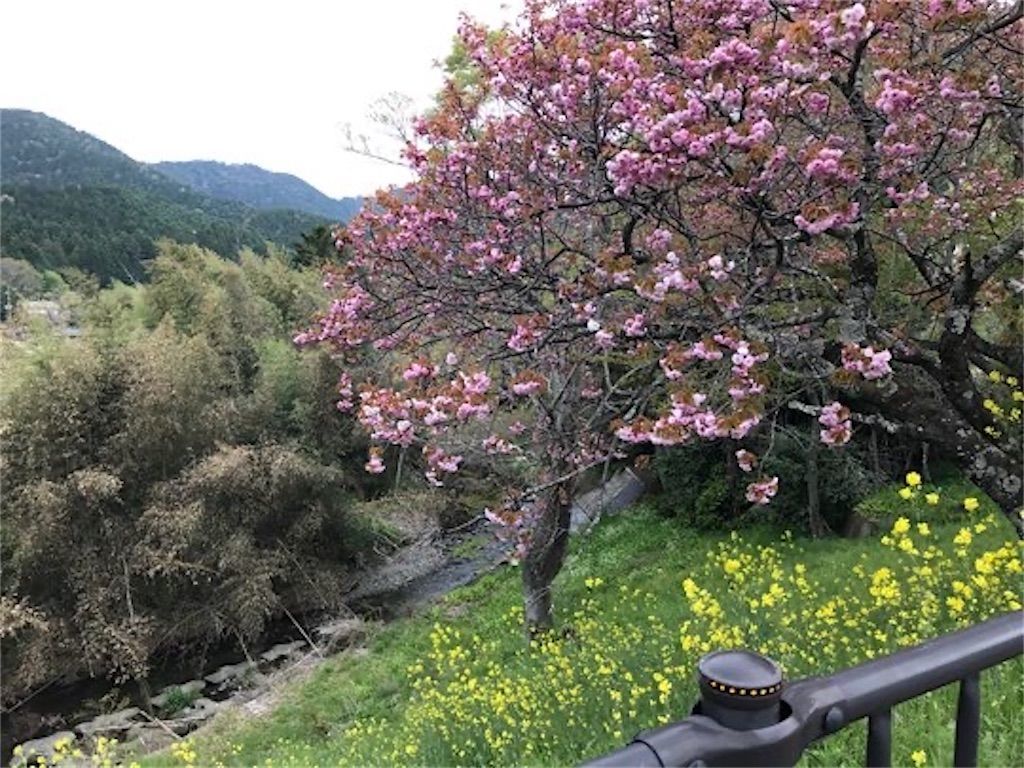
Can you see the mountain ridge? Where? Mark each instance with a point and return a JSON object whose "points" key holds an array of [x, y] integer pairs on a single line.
{"points": [[258, 187], [69, 199]]}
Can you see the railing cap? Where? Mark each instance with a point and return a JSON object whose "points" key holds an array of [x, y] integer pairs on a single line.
{"points": [[740, 670]]}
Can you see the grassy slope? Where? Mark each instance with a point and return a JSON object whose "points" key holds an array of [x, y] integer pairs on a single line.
{"points": [[641, 560]]}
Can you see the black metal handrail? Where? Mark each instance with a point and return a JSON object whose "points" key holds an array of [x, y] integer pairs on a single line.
{"points": [[748, 716]]}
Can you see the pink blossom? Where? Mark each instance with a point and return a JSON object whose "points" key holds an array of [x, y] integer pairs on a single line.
{"points": [[762, 491], [720, 269], [375, 465], [524, 337], [635, 326], [630, 433], [497, 445], [439, 460], [418, 370], [470, 410], [866, 361], [524, 388], [835, 417], [746, 460], [475, 383], [704, 350]]}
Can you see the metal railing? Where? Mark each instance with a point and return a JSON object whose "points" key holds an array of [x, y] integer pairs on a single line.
{"points": [[748, 715]]}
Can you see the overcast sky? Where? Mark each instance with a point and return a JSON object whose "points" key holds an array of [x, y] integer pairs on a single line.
{"points": [[259, 82]]}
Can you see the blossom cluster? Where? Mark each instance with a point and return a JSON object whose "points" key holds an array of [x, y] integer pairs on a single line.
{"points": [[835, 418]]}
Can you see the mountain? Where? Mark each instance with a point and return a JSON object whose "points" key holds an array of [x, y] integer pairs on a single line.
{"points": [[68, 199], [40, 151], [258, 188]]}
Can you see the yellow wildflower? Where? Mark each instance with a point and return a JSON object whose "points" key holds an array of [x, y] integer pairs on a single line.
{"points": [[932, 498], [906, 493], [901, 526], [913, 479], [963, 538], [923, 528], [971, 504], [918, 757]]}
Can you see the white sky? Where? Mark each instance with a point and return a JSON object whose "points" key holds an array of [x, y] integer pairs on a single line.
{"points": [[240, 82]]}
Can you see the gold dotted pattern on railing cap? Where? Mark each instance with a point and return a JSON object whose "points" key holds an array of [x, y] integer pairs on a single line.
{"points": [[744, 691]]}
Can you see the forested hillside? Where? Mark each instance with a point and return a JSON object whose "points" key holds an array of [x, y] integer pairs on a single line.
{"points": [[70, 200], [259, 188]]}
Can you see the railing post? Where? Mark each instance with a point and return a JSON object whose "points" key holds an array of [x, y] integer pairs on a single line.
{"points": [[741, 690], [968, 722], [879, 739]]}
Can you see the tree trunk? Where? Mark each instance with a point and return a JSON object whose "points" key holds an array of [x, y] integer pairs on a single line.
{"points": [[545, 557], [732, 475], [876, 464], [815, 521], [1000, 477], [996, 470]]}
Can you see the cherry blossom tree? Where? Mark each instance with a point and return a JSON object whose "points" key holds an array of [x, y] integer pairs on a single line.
{"points": [[657, 221]]}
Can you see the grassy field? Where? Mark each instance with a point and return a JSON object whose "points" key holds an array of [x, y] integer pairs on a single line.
{"points": [[638, 602]]}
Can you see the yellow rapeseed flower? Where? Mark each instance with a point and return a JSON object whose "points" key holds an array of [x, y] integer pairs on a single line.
{"points": [[971, 504], [963, 538], [913, 479], [955, 604]]}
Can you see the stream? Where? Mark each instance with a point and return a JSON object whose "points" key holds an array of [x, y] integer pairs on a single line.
{"points": [[413, 577]]}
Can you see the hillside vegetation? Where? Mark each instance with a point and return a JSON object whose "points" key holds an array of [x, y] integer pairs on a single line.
{"points": [[174, 476], [71, 200]]}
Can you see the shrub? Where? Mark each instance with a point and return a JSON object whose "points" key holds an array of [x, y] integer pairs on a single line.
{"points": [[694, 486]]}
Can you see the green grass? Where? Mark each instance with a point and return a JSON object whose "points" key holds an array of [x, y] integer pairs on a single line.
{"points": [[470, 547], [401, 695]]}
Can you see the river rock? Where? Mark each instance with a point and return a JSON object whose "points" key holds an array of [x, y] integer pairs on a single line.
{"points": [[230, 675], [115, 723], [188, 689], [341, 632], [859, 526], [281, 651], [621, 490], [44, 747], [201, 709], [147, 737]]}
